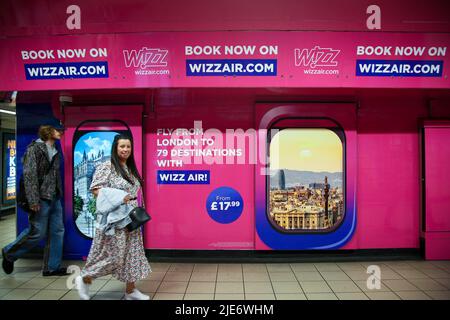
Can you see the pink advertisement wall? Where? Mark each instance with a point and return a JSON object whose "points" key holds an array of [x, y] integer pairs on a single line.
{"points": [[219, 77], [388, 205], [387, 161]]}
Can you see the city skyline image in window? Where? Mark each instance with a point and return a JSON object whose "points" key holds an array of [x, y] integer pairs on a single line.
{"points": [[306, 181]]}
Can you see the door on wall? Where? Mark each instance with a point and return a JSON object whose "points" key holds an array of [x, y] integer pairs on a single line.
{"points": [[87, 143], [305, 192], [435, 191]]}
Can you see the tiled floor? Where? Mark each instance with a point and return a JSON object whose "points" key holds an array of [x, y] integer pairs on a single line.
{"points": [[417, 280]]}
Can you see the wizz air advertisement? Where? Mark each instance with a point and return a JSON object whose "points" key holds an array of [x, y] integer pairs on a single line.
{"points": [[226, 59], [231, 67], [396, 61], [63, 70]]}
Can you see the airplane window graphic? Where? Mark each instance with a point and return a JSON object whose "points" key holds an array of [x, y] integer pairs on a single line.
{"points": [[91, 149], [306, 185]]}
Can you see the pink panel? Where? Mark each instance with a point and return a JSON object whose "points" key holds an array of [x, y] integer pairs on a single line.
{"points": [[179, 216], [388, 173], [437, 246], [24, 17], [437, 171]]}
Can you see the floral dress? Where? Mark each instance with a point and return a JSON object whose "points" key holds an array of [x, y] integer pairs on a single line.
{"points": [[121, 254]]}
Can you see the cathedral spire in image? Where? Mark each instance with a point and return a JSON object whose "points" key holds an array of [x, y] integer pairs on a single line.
{"points": [[326, 194], [282, 180]]}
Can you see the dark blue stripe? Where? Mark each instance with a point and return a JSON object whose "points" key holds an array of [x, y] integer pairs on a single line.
{"points": [[46, 70], [384, 68], [183, 176]]}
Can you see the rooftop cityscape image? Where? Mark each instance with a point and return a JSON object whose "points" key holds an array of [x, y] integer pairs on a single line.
{"points": [[304, 195]]}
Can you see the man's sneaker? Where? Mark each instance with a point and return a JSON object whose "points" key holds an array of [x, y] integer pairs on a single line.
{"points": [[8, 266], [136, 295], [83, 288], [59, 272]]}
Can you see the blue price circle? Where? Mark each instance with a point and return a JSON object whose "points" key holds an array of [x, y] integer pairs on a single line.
{"points": [[224, 205]]}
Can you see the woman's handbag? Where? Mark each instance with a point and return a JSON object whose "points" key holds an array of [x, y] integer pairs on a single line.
{"points": [[138, 218], [138, 215]]}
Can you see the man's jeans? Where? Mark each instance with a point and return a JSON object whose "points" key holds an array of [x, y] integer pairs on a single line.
{"points": [[48, 220]]}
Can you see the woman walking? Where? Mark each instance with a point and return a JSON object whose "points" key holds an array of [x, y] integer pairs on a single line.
{"points": [[121, 254]]}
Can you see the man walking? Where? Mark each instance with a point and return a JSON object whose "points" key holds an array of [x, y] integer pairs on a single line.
{"points": [[43, 190]]}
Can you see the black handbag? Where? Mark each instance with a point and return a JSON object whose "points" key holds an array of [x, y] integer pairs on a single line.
{"points": [[138, 218]]}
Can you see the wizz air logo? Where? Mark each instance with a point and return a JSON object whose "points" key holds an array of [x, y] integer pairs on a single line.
{"points": [[145, 58], [317, 57]]}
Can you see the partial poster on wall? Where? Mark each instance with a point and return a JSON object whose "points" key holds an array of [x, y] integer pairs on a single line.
{"points": [[9, 168]]}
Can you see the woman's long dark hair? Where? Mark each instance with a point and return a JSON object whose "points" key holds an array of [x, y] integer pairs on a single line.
{"points": [[131, 164]]}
